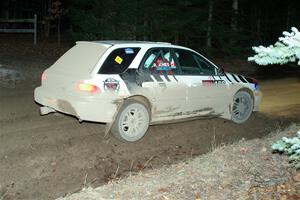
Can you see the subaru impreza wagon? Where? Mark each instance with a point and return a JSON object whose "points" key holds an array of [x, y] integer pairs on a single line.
{"points": [[131, 85]]}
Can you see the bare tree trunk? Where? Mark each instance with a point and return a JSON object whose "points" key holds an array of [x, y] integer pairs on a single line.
{"points": [[258, 26], [47, 18], [209, 23], [176, 34], [145, 35], [5, 6], [176, 38], [58, 32], [234, 17], [134, 32], [289, 15], [151, 30]]}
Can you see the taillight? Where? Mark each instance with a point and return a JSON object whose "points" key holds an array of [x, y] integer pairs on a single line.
{"points": [[88, 87], [43, 77]]}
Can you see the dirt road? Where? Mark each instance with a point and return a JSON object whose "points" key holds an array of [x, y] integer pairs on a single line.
{"points": [[47, 157], [281, 98]]}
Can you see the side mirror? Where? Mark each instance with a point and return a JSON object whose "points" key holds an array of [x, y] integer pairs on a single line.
{"points": [[220, 71]]}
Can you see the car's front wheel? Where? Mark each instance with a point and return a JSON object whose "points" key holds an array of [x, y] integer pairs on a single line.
{"points": [[242, 107], [132, 121]]}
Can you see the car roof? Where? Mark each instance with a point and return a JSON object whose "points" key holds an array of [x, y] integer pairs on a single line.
{"points": [[115, 42], [122, 43]]}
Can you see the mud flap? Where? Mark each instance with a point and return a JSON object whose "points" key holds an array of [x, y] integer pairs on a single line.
{"points": [[44, 110], [109, 125]]}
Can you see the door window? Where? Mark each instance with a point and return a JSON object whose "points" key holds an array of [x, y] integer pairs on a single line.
{"points": [[206, 67], [160, 61], [192, 64]]}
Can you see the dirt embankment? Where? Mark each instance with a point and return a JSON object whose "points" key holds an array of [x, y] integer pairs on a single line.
{"points": [[244, 170]]}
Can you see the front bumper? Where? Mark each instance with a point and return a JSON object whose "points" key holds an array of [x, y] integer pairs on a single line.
{"points": [[88, 109], [257, 100]]}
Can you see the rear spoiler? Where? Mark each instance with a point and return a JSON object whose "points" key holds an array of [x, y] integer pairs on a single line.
{"points": [[106, 45]]}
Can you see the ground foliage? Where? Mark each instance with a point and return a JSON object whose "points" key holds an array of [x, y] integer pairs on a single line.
{"points": [[290, 146]]}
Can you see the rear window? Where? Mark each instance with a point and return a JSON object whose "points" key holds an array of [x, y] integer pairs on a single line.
{"points": [[118, 60], [80, 59]]}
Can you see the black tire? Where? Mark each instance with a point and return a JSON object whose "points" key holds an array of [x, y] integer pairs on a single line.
{"points": [[132, 121]]}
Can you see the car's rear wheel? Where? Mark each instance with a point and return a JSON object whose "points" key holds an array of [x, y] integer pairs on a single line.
{"points": [[132, 121], [242, 107]]}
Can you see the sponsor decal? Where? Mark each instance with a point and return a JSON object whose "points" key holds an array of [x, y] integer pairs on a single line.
{"points": [[119, 60], [213, 82], [129, 51], [242, 78], [164, 65], [208, 82], [228, 78], [165, 68], [160, 67], [220, 82], [235, 78], [111, 84]]}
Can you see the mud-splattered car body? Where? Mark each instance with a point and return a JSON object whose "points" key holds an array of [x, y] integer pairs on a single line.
{"points": [[93, 79]]}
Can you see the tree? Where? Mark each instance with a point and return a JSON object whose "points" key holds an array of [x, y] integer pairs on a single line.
{"points": [[234, 17], [286, 50], [55, 15], [4, 5], [209, 22], [220, 26]]}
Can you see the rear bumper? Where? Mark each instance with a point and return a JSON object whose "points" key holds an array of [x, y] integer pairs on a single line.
{"points": [[88, 109]]}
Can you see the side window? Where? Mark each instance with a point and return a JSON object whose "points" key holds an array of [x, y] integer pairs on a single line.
{"points": [[187, 62], [160, 61], [118, 60], [206, 67]]}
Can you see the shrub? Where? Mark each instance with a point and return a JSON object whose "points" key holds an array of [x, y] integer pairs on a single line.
{"points": [[291, 147]]}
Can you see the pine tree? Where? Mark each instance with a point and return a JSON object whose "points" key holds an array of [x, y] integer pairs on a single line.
{"points": [[286, 50]]}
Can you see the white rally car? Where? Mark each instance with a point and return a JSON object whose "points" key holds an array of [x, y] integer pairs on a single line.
{"points": [[130, 85]]}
